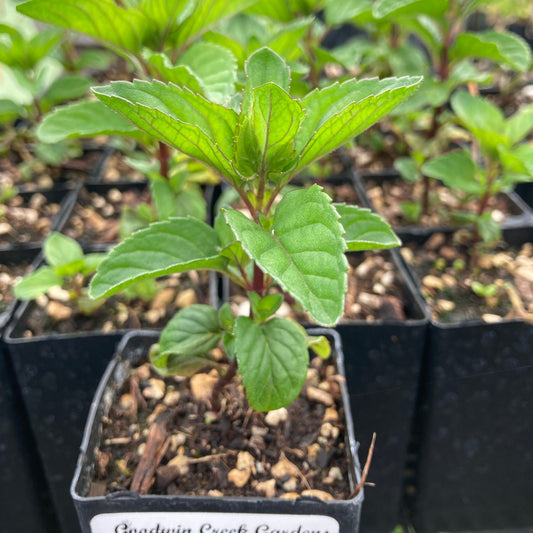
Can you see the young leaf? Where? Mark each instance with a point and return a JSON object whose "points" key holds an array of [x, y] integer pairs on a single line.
{"points": [[9, 111], [263, 308], [103, 20], [392, 9], [320, 345], [265, 142], [36, 283], [175, 245], [60, 250], [178, 117], [64, 89], [272, 359], [501, 47], [186, 341], [180, 75], [456, 170], [365, 230], [338, 113], [84, 119], [520, 124], [305, 252]]}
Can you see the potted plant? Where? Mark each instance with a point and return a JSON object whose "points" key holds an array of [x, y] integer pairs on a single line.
{"points": [[297, 243]]}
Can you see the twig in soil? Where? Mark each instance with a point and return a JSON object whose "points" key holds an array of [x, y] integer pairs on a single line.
{"points": [[209, 458], [137, 397], [518, 306], [154, 451], [117, 441], [366, 468]]}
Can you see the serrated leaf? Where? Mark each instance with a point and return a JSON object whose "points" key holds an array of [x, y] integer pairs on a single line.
{"points": [[520, 124], [272, 359], [59, 250], [365, 230], [456, 170], [215, 67], [175, 245], [84, 119], [264, 66], [175, 115], [36, 283], [104, 20], [482, 118], [501, 47], [305, 252], [180, 75], [392, 9], [338, 113], [186, 341], [265, 142]]}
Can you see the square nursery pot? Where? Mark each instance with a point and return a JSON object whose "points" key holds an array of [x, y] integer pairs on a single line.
{"points": [[58, 375], [383, 361], [25, 503], [474, 436], [128, 512], [519, 213]]}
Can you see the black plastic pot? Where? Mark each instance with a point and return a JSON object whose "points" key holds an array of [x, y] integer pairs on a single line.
{"points": [[58, 375], [520, 213], [188, 513], [473, 437], [525, 191], [383, 362], [25, 503]]}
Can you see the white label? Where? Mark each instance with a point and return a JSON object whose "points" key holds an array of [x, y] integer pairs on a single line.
{"points": [[212, 523]]}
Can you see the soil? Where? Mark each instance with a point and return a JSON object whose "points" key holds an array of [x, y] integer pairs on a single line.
{"points": [[116, 170], [448, 270], [236, 452], [26, 218], [376, 291], [9, 275], [59, 314], [36, 175], [96, 215], [388, 196]]}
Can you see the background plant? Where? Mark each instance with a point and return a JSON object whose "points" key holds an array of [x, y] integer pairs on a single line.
{"points": [[298, 244]]}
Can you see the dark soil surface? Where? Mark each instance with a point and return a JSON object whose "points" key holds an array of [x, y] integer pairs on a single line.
{"points": [[56, 313], [96, 215], [449, 274], [167, 426], [27, 218], [388, 196]]}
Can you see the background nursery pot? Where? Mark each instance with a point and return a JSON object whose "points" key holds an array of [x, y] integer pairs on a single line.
{"points": [[100, 513], [58, 375], [473, 432], [24, 498]]}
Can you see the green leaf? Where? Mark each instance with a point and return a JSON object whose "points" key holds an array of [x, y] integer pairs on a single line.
{"points": [[320, 345], [392, 9], [273, 361], [520, 125], [305, 252], [9, 111], [365, 230], [175, 245], [489, 230], [91, 262], [455, 170], [263, 308], [264, 66], [482, 118], [36, 283], [502, 47], [60, 250], [341, 11], [186, 340], [338, 113], [84, 119], [102, 19], [265, 142], [178, 117], [226, 318], [408, 169], [170, 203], [64, 89], [180, 75], [215, 67]]}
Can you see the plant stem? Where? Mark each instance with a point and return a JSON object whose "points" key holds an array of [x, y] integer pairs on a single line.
{"points": [[221, 383], [164, 156]]}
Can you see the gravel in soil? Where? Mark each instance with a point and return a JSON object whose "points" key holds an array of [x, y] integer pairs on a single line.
{"points": [[95, 218], [58, 312], [493, 285], [26, 219], [116, 170], [389, 196], [162, 437], [9, 275]]}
